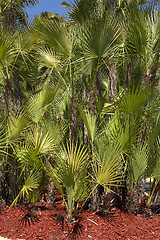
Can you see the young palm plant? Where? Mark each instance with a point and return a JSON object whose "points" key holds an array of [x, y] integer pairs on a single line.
{"points": [[35, 135], [70, 175]]}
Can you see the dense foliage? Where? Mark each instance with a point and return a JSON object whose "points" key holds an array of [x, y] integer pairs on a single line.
{"points": [[80, 103]]}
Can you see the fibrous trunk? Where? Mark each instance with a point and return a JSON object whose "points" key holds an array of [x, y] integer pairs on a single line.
{"points": [[74, 119], [84, 99], [129, 75], [112, 5], [10, 18], [95, 200], [8, 95], [150, 78], [113, 81], [91, 101], [17, 88]]}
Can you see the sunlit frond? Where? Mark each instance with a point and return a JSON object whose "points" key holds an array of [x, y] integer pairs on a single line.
{"points": [[99, 41], [31, 183], [57, 36], [47, 58], [70, 171], [107, 166], [37, 104], [138, 164], [90, 122], [132, 101], [16, 124]]}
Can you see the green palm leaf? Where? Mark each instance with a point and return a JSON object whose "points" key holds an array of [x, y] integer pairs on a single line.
{"points": [[70, 171], [107, 166], [56, 36], [90, 122], [138, 164], [7, 49], [30, 185], [133, 101], [47, 58], [156, 171], [38, 103], [16, 124], [98, 43]]}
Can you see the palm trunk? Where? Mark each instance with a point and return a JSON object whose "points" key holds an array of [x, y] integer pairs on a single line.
{"points": [[10, 18], [98, 84], [91, 101], [95, 200], [11, 179], [153, 76], [8, 95], [74, 119], [133, 199], [150, 78], [145, 81], [17, 88], [84, 99], [129, 75], [113, 81], [10, 22]]}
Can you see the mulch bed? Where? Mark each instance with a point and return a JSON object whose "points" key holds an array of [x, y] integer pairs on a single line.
{"points": [[16, 223]]}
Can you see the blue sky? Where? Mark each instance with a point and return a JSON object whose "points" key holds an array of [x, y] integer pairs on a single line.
{"points": [[53, 6]]}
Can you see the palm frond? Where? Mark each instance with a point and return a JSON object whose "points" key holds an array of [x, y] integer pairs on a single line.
{"points": [[156, 163], [98, 42], [30, 185], [38, 103], [107, 166], [132, 101], [70, 171], [7, 49], [3, 138], [16, 124], [47, 58], [138, 164], [79, 11], [90, 122], [56, 36]]}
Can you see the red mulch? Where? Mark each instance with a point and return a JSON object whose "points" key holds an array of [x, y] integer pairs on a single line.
{"points": [[117, 225]]}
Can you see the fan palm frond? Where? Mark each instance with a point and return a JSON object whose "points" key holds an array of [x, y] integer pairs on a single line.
{"points": [[70, 171], [3, 138], [56, 36], [16, 124], [107, 166], [47, 58], [138, 164], [38, 103], [156, 159], [79, 11], [30, 185], [133, 101], [7, 49], [41, 141], [98, 41], [142, 37], [90, 122]]}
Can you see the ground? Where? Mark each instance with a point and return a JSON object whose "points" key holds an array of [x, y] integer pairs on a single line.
{"points": [[15, 223]]}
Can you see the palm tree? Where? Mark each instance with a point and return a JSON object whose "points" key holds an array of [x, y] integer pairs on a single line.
{"points": [[103, 50], [13, 16], [13, 13], [70, 175], [141, 43], [59, 37], [8, 53]]}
